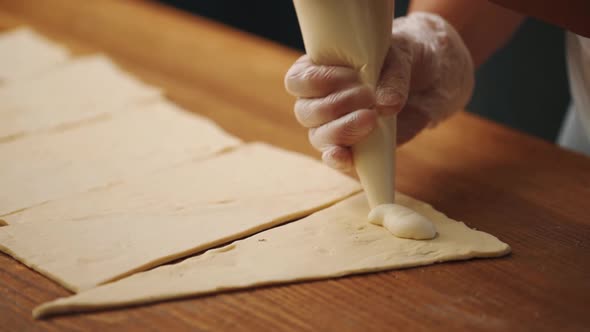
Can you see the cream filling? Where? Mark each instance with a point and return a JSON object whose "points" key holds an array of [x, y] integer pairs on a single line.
{"points": [[403, 222]]}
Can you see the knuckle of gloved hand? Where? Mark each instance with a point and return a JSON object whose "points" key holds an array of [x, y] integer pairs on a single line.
{"points": [[291, 80], [353, 127], [317, 140], [316, 112], [307, 80], [329, 158], [304, 112], [392, 97], [393, 86], [320, 80], [345, 101], [337, 157]]}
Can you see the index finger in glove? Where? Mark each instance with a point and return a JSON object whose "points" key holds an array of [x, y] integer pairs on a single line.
{"points": [[344, 131], [308, 80]]}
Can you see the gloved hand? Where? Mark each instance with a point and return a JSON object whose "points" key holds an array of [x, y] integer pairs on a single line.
{"points": [[427, 75]]}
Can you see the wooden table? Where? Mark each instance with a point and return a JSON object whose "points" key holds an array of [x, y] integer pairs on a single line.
{"points": [[527, 192]]}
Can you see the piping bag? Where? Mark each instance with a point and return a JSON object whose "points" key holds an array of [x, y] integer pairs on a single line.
{"points": [[357, 34]]}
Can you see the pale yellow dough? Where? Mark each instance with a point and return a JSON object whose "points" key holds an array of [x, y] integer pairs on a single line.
{"points": [[131, 143], [82, 89], [331, 243], [24, 53], [92, 238]]}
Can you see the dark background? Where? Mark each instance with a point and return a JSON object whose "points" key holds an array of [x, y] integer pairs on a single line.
{"points": [[524, 85]]}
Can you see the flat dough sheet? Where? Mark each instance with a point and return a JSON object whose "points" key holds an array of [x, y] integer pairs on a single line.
{"points": [[334, 242], [131, 143], [82, 89], [24, 53], [106, 234]]}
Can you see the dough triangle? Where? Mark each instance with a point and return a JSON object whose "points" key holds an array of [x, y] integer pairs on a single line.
{"points": [[108, 233], [334, 242]]}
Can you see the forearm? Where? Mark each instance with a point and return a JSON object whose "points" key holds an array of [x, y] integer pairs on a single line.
{"points": [[484, 27]]}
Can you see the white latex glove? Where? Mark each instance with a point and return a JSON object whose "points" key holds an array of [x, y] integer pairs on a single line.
{"points": [[428, 75]]}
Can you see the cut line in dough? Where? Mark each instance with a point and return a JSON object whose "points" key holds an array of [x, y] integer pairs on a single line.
{"points": [[331, 243], [105, 234], [131, 143], [25, 53], [82, 89]]}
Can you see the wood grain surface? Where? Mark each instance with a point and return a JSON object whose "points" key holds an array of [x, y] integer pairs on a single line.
{"points": [[527, 192]]}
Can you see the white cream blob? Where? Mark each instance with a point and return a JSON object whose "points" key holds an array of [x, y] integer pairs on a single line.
{"points": [[402, 222]]}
